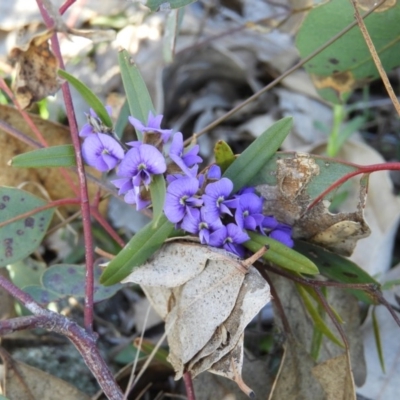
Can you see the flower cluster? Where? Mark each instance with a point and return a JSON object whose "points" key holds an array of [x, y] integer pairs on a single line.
{"points": [[200, 204]]}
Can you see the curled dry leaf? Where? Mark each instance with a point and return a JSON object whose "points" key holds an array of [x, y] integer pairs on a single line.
{"points": [[36, 69], [207, 297], [289, 199]]}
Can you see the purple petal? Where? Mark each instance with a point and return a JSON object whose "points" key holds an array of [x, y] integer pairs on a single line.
{"points": [[214, 172], [137, 124], [282, 236]]}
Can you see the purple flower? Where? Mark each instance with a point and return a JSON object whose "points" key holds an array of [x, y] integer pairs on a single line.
{"points": [[153, 126], [94, 124], [230, 238], [195, 223], [138, 166], [184, 161], [283, 233], [248, 213], [269, 223], [132, 196], [216, 199], [101, 151], [180, 198], [214, 173]]}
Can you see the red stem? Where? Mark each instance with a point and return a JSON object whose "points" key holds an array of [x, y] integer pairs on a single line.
{"points": [[362, 169], [85, 206], [187, 379]]}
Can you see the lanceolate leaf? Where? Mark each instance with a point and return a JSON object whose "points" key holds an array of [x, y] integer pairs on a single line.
{"points": [[249, 163], [338, 268], [157, 190], [281, 255], [316, 317], [55, 156], [138, 96], [137, 251], [154, 5], [90, 98], [22, 237]]}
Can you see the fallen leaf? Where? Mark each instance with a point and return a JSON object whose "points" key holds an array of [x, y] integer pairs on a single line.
{"points": [[55, 134], [288, 201], [23, 382], [36, 69], [336, 378], [207, 288]]}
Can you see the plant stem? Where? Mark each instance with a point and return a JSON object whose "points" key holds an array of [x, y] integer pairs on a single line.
{"points": [[85, 206]]}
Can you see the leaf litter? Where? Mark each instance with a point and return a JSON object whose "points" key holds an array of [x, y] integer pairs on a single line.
{"points": [[218, 292]]}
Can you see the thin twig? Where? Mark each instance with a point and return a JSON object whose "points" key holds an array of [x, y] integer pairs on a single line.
{"points": [[375, 57], [187, 378]]}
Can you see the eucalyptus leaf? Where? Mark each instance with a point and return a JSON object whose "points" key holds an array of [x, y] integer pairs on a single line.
{"points": [[23, 236], [55, 156], [347, 63], [250, 162], [90, 98], [137, 251]]}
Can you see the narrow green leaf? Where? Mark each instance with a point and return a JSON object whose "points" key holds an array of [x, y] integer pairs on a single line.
{"points": [[338, 268], [247, 165], [122, 120], [378, 341], [281, 255], [224, 155], [319, 323], [137, 251], [55, 156], [171, 30], [316, 343], [157, 190], [23, 236], [90, 98], [138, 96], [147, 347], [154, 5]]}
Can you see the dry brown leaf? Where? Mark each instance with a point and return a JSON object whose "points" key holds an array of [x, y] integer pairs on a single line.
{"points": [[336, 378], [288, 201], [206, 310], [23, 382], [294, 380], [36, 69], [55, 134]]}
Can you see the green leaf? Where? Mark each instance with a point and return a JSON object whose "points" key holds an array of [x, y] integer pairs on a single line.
{"points": [[250, 162], [281, 255], [22, 237], [138, 96], [171, 30], [122, 120], [55, 156], [64, 280], [224, 155], [137, 251], [378, 341], [91, 99], [154, 5], [347, 63], [157, 190], [319, 323], [338, 268]]}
